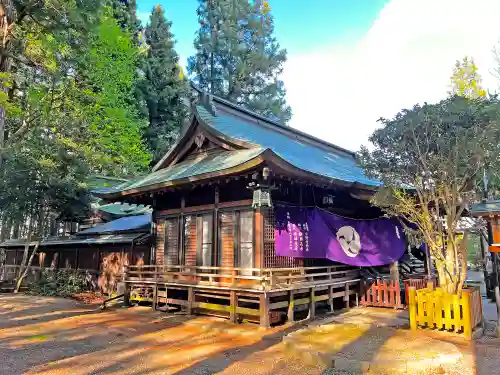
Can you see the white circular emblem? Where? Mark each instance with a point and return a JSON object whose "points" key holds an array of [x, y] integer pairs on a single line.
{"points": [[349, 240]]}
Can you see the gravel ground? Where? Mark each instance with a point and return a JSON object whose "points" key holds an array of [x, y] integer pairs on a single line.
{"points": [[59, 336]]}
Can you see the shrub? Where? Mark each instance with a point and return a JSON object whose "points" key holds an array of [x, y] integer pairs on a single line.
{"points": [[61, 283]]}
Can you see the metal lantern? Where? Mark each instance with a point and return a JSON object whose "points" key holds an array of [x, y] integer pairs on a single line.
{"points": [[261, 189], [261, 198]]}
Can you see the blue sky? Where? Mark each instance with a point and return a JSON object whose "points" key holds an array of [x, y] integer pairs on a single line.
{"points": [[299, 26], [351, 62]]}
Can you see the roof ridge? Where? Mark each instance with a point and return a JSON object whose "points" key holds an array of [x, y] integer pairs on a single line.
{"points": [[286, 128]]}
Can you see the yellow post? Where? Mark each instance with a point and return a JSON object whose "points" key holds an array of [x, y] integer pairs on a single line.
{"points": [[412, 307], [447, 311], [438, 308], [466, 308], [421, 298], [457, 319], [430, 309]]}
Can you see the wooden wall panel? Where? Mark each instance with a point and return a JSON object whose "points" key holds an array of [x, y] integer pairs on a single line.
{"points": [[11, 258], [88, 258], [190, 240], [160, 241], [171, 249], [226, 242], [68, 259]]}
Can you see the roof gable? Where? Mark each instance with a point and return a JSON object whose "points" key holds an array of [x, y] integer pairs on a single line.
{"points": [[300, 150], [242, 140]]}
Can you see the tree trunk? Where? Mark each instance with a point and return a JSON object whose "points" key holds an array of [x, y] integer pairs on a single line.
{"points": [[26, 270], [7, 15], [26, 247], [3, 259], [25, 256], [450, 279], [484, 246]]}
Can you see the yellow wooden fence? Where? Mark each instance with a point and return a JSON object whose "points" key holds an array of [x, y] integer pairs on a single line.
{"points": [[436, 309]]}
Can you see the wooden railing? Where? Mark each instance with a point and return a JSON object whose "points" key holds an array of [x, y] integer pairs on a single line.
{"points": [[247, 278], [382, 293], [418, 283]]}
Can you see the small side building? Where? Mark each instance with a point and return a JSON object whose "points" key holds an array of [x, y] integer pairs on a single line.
{"points": [[101, 251]]}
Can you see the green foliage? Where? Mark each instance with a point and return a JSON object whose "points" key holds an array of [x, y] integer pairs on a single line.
{"points": [[162, 87], [466, 81], [125, 13], [70, 84], [429, 159], [238, 58], [60, 283], [108, 72]]}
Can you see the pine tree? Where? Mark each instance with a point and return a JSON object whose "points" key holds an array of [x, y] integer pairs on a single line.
{"points": [[163, 86], [238, 58], [125, 12]]}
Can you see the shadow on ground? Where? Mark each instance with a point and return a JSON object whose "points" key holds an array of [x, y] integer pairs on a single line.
{"points": [[56, 336]]}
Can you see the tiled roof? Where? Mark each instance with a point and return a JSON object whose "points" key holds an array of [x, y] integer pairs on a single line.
{"points": [[124, 224], [78, 240], [300, 150], [205, 163], [123, 209], [483, 208]]}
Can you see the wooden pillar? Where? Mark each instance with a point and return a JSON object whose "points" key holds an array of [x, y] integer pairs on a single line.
{"points": [[264, 310], [190, 301], [259, 238], [233, 301], [126, 295], [155, 296], [330, 298], [291, 305], [312, 303], [395, 272], [346, 295], [166, 298], [215, 230], [126, 289]]}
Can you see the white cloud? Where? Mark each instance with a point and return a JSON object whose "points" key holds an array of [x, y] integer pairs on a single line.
{"points": [[405, 58]]}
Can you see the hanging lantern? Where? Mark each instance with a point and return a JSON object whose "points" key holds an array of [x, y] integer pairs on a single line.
{"points": [[261, 198], [261, 189]]}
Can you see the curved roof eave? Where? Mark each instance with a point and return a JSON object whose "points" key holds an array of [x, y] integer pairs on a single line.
{"points": [[282, 164], [249, 164], [268, 157]]}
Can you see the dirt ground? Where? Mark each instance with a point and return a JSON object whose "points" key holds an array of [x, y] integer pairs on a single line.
{"points": [[59, 336]]}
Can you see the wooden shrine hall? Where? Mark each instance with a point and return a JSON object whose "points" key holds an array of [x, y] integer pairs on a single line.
{"points": [[213, 197]]}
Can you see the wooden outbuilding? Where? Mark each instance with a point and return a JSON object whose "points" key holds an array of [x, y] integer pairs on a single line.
{"points": [[101, 252]]}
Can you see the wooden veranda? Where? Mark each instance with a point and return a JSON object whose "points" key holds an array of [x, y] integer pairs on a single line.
{"points": [[263, 295]]}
